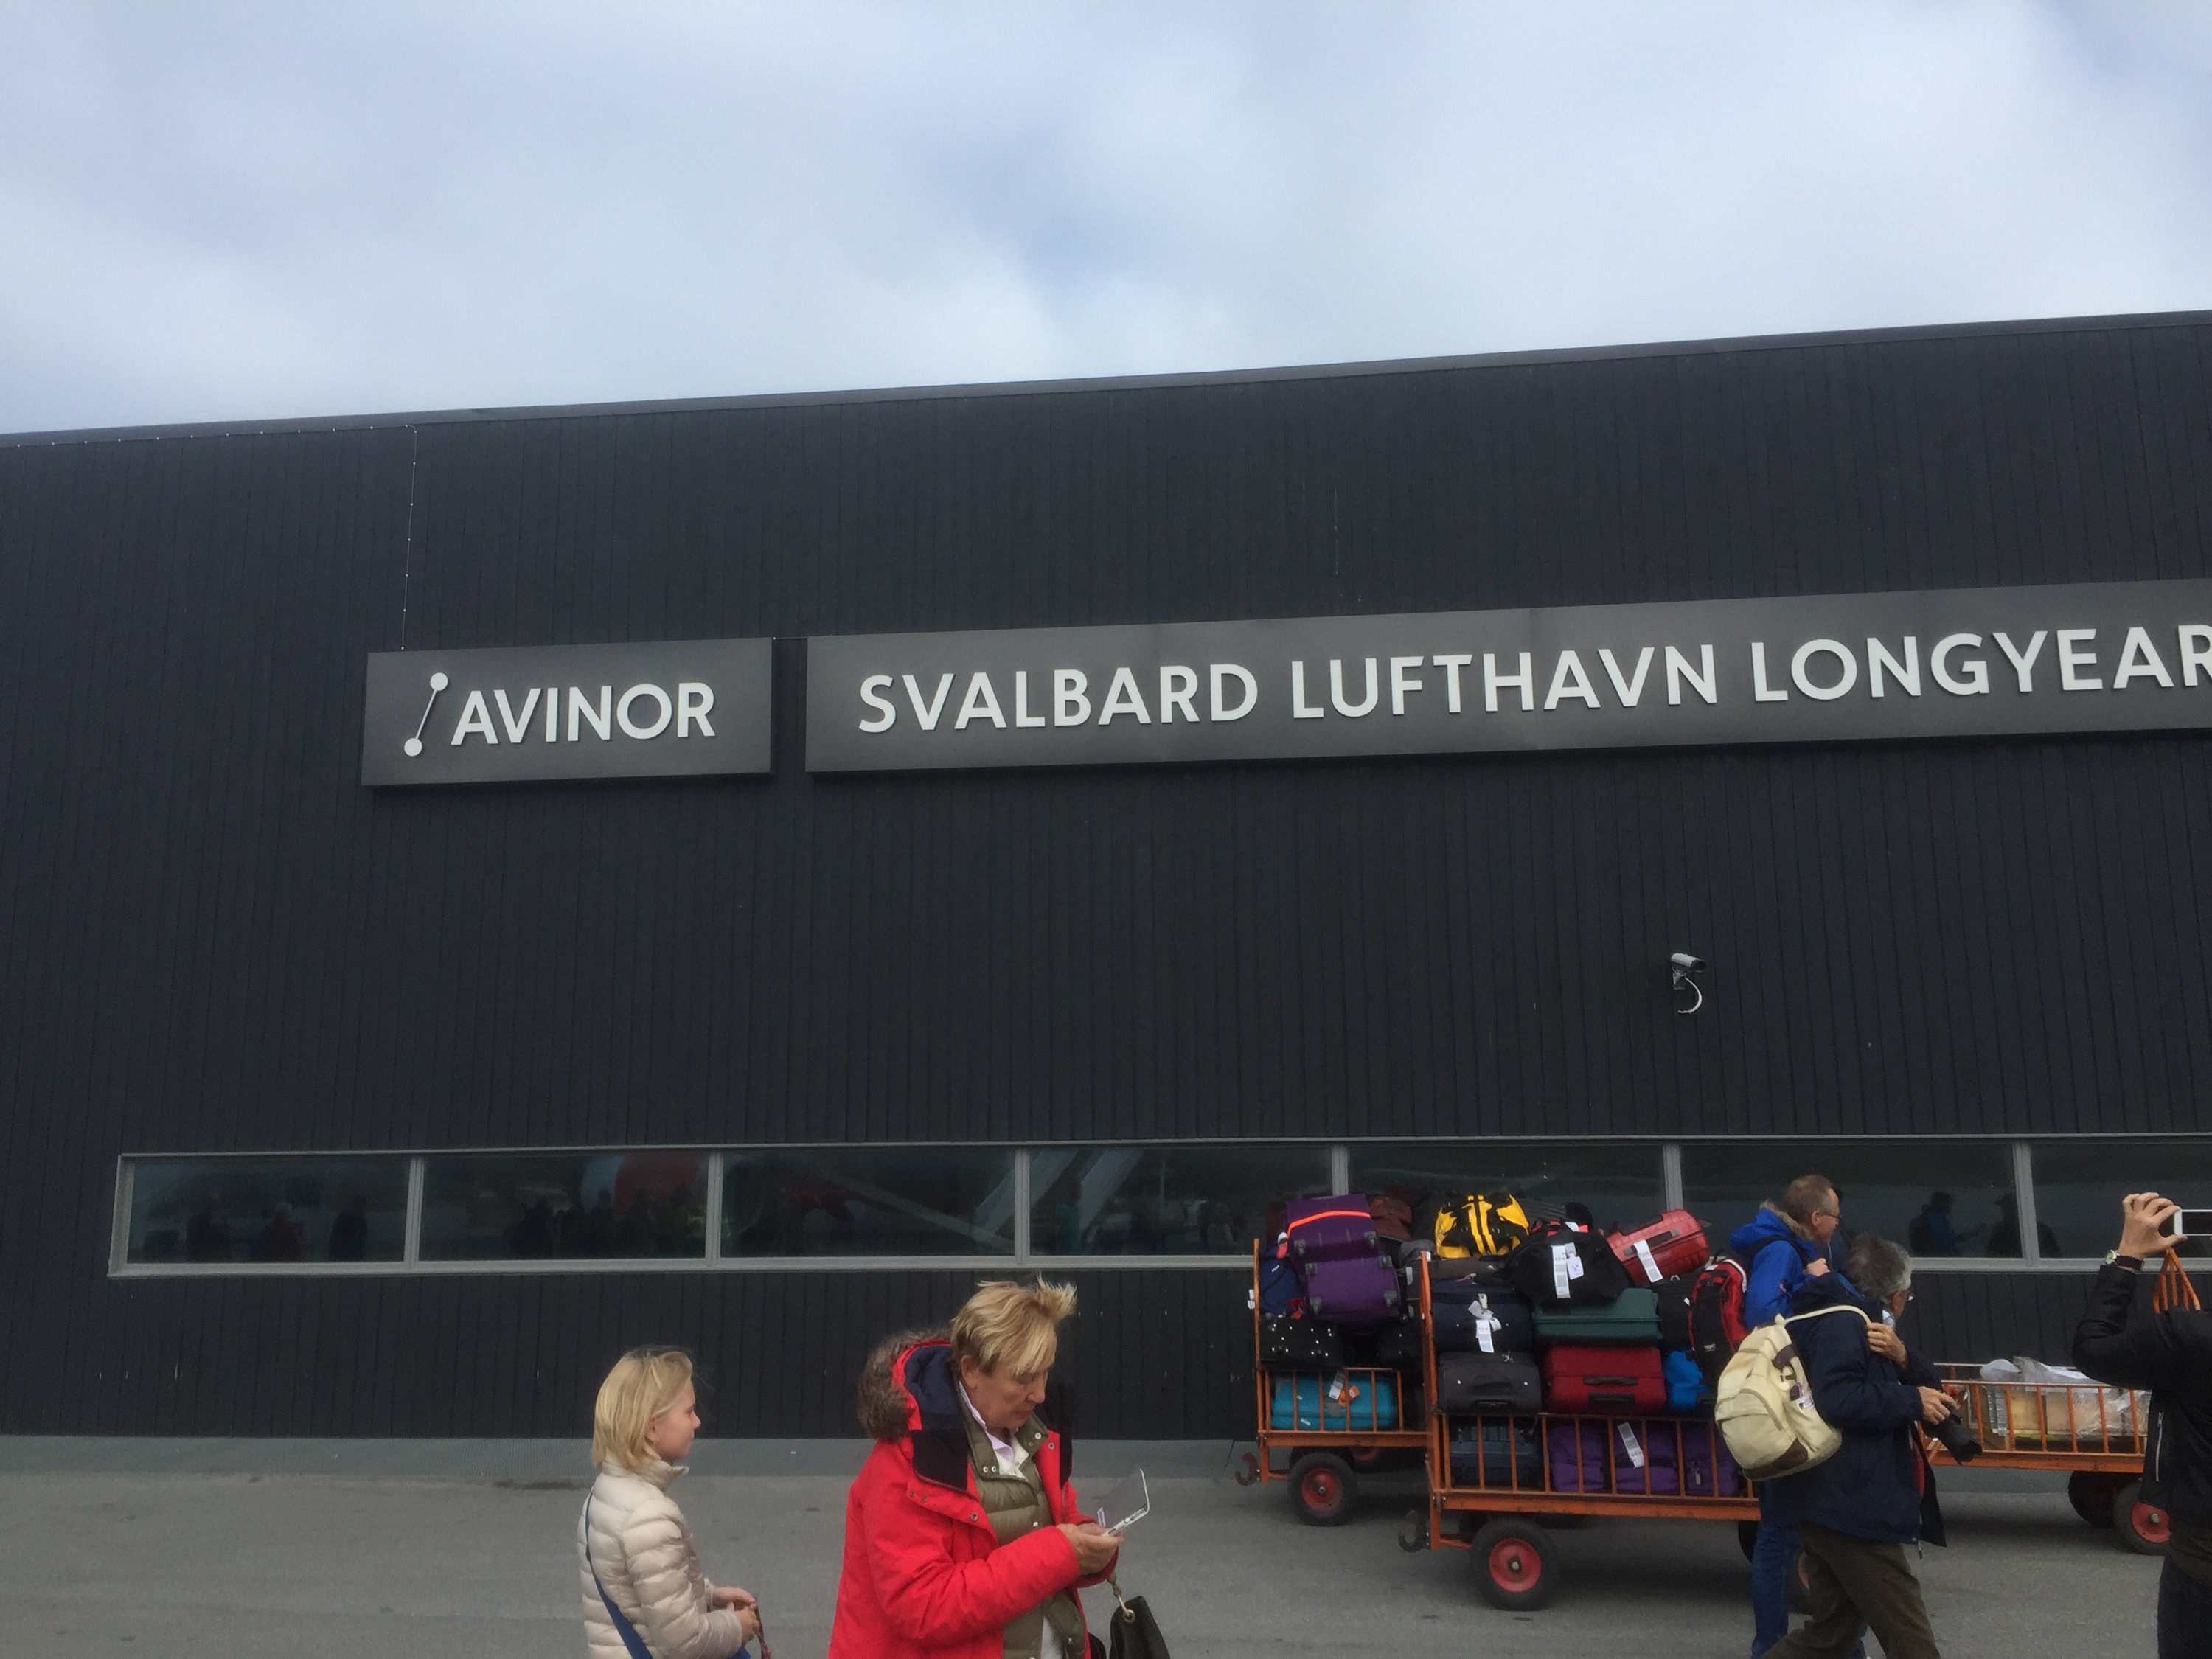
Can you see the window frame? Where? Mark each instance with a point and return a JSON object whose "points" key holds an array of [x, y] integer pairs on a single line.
{"points": [[1022, 1258]]}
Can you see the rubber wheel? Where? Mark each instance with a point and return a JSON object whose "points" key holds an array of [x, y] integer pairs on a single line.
{"points": [[1517, 1567], [2143, 1528], [1322, 1489], [1368, 1459], [2092, 1494], [1746, 1537]]}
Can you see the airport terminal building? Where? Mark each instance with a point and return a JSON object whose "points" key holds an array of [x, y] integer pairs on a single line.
{"points": [[481, 889]]}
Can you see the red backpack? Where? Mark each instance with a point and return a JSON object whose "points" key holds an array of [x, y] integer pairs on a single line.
{"points": [[1716, 1327]]}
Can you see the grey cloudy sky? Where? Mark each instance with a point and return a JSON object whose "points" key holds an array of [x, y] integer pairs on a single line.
{"points": [[212, 211]]}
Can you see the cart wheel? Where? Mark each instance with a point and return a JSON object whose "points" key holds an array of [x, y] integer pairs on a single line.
{"points": [[1746, 1537], [1249, 1475], [1801, 1587], [1322, 1489], [1368, 1459], [2091, 1494], [1517, 1568], [2143, 1528]]}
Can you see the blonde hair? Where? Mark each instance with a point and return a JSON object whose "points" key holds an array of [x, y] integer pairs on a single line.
{"points": [[1010, 1329], [644, 1384]]}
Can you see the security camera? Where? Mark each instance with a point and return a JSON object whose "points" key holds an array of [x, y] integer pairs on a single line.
{"points": [[1683, 965]]}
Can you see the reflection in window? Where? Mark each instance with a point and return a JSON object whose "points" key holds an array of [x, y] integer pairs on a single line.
{"points": [[208, 1210], [1164, 1200], [2079, 1186], [1603, 1185], [887, 1202], [1937, 1198], [563, 1207]]}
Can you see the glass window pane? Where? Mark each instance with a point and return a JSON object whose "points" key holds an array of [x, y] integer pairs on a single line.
{"points": [[2079, 1186], [1936, 1198], [293, 1209], [1165, 1200], [886, 1201], [1609, 1186], [498, 1206]]}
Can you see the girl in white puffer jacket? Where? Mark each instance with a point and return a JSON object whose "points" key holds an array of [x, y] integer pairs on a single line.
{"points": [[632, 1548]]}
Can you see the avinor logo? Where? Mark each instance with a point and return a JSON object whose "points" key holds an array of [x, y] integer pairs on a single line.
{"points": [[667, 708]]}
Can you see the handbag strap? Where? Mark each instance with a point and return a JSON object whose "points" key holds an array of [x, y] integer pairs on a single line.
{"points": [[623, 1628], [2174, 1289]]}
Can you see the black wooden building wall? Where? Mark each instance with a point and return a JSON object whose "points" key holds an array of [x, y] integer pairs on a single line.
{"points": [[212, 938]]}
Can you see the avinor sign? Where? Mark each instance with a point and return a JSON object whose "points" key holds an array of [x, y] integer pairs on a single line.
{"points": [[671, 708], [1981, 662]]}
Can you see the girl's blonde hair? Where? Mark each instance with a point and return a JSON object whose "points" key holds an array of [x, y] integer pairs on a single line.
{"points": [[1009, 1329], [644, 1384]]}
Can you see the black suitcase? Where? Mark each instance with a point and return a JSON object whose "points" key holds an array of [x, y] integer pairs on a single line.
{"points": [[1483, 1272], [1674, 1296], [1563, 1267], [1470, 1321], [1298, 1344], [1488, 1383], [1397, 1347]]}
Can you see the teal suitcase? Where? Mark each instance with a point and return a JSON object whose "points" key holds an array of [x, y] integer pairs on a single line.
{"points": [[1631, 1320]]}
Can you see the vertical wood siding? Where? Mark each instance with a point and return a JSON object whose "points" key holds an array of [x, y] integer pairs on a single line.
{"points": [[211, 938]]}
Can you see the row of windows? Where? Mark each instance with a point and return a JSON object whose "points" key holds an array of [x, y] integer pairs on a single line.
{"points": [[1992, 1203]]}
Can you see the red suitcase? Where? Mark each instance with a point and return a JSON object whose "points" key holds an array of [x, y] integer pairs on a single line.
{"points": [[1612, 1382], [1674, 1243]]}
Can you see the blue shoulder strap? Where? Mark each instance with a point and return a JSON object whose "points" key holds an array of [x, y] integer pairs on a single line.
{"points": [[623, 1628]]}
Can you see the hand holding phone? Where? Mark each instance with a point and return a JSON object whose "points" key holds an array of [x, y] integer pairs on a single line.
{"points": [[1127, 1503], [2144, 1218]]}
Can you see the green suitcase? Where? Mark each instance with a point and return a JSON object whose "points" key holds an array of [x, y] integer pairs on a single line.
{"points": [[1631, 1320]]}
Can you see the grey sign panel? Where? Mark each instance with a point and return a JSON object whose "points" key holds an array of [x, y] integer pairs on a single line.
{"points": [[1978, 662], [665, 709]]}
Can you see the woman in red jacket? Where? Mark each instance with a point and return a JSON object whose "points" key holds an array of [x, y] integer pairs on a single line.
{"points": [[962, 1540]]}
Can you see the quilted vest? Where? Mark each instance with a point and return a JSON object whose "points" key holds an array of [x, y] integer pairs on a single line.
{"points": [[1016, 1503]]}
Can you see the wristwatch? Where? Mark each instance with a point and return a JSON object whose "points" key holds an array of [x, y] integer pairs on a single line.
{"points": [[2114, 1258]]}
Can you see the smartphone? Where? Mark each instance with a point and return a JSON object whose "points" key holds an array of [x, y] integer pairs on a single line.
{"points": [[2187, 1224], [1126, 1504]]}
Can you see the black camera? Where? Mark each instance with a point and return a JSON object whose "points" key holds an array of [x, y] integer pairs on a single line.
{"points": [[1957, 1439]]}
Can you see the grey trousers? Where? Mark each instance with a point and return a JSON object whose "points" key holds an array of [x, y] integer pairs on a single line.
{"points": [[1853, 1579]]}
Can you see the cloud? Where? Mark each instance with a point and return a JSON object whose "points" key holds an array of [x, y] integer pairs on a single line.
{"points": [[218, 212]]}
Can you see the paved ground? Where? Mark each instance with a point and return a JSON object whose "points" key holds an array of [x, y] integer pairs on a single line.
{"points": [[203, 1552]]}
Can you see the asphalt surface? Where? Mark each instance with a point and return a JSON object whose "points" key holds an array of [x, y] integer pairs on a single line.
{"points": [[429, 1551]]}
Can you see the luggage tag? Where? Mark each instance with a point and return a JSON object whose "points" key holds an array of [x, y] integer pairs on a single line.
{"points": [[1646, 1260], [1567, 1267], [1342, 1390], [1631, 1445], [1484, 1323]]}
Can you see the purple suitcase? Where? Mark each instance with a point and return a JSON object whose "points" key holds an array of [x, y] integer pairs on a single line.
{"points": [[1329, 1229], [1658, 1456], [1360, 1294]]}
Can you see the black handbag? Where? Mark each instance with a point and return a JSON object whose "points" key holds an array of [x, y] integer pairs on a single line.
{"points": [[1136, 1635]]}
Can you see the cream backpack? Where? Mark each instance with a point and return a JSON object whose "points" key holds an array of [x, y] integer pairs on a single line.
{"points": [[1764, 1403]]}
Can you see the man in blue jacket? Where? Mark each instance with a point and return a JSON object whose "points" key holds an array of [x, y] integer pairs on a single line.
{"points": [[1778, 1248], [1855, 1513]]}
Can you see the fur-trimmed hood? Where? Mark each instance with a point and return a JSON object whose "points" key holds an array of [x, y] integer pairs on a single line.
{"points": [[887, 1409]]}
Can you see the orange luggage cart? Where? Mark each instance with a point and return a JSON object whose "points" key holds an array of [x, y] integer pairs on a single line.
{"points": [[1499, 1518], [2095, 1435], [1322, 1463]]}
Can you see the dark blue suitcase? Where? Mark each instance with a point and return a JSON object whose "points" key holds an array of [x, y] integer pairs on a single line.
{"points": [[1498, 1453]]}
